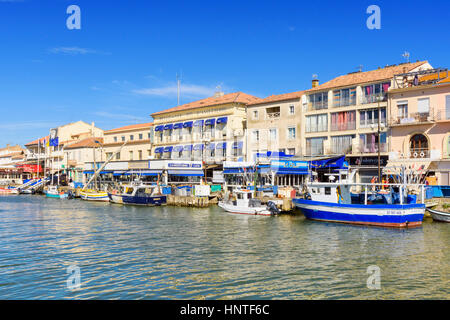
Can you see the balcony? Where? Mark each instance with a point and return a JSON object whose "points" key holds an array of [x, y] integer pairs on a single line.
{"points": [[442, 115], [373, 148], [372, 98], [313, 106], [273, 113], [343, 126], [419, 153], [413, 119]]}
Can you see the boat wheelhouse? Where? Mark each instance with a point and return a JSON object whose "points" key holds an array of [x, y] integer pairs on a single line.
{"points": [[242, 202], [138, 194]]}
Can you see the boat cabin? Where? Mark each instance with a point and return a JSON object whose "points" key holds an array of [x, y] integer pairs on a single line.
{"points": [[244, 198]]}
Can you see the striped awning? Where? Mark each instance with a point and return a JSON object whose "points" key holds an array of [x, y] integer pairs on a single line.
{"points": [[159, 128], [178, 125], [188, 124], [159, 150], [168, 127], [198, 123], [168, 149], [210, 122], [222, 120]]}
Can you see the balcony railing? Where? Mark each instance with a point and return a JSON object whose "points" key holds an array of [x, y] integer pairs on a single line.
{"points": [[419, 153], [373, 148], [344, 102], [372, 98], [414, 118], [442, 115], [273, 115], [312, 106], [343, 126], [373, 123]]}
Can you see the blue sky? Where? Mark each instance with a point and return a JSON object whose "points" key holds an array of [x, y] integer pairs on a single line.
{"points": [[121, 66]]}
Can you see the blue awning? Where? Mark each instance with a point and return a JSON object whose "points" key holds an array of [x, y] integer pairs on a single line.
{"points": [[299, 172], [221, 145], [88, 172], [159, 128], [187, 147], [188, 124], [159, 150], [238, 145], [211, 146], [198, 147], [222, 120], [168, 149], [168, 126], [210, 122], [143, 172], [186, 173], [178, 148], [237, 170], [178, 125], [198, 123]]}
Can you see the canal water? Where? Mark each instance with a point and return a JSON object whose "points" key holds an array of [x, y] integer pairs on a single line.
{"points": [[128, 252]]}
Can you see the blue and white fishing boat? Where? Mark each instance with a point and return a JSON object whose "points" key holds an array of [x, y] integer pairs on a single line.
{"points": [[53, 192], [138, 194], [332, 201]]}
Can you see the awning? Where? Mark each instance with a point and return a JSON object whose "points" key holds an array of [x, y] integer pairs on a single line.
{"points": [[178, 148], [159, 128], [211, 146], [159, 150], [178, 125], [168, 127], [118, 173], [198, 147], [221, 145], [186, 173], [198, 123], [237, 170], [168, 149], [188, 124], [237, 145], [210, 122], [187, 147], [299, 172], [222, 120], [143, 172]]}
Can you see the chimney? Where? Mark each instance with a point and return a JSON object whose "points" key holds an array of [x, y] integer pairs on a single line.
{"points": [[315, 83], [218, 92]]}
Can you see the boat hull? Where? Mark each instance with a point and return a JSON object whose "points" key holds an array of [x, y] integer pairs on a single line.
{"points": [[57, 195], [397, 216], [94, 196], [8, 191], [439, 215], [136, 200], [244, 210]]}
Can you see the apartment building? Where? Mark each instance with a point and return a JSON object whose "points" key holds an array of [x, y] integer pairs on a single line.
{"points": [[11, 168], [341, 116], [80, 153], [419, 108], [210, 130], [274, 124]]}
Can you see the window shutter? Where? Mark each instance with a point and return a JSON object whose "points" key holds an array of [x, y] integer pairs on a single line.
{"points": [[423, 105]]}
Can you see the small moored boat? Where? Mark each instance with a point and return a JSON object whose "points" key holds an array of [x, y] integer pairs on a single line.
{"points": [[438, 215], [6, 191], [53, 192], [93, 195], [138, 194], [244, 203]]}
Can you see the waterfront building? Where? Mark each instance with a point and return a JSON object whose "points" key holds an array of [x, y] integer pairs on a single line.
{"points": [[48, 152], [341, 117], [210, 130], [11, 168], [419, 108], [274, 124], [132, 158]]}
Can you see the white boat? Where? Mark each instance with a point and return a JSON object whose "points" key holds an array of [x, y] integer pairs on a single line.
{"points": [[53, 192], [441, 216], [244, 203], [4, 191]]}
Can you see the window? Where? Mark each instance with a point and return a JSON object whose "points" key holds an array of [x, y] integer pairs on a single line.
{"points": [[255, 136], [255, 115], [344, 97], [273, 135], [343, 121], [314, 146], [341, 144], [291, 110], [369, 117], [141, 136], [273, 113], [108, 155], [317, 123], [447, 107], [282, 151], [140, 154], [123, 138], [318, 101], [131, 155], [291, 133], [149, 152], [131, 137], [372, 91], [423, 105], [402, 107], [115, 139], [149, 135], [291, 151], [118, 156], [369, 142], [448, 146]]}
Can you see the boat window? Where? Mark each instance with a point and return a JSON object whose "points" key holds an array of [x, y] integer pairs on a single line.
{"points": [[148, 190], [328, 190], [129, 190], [240, 196], [249, 195]]}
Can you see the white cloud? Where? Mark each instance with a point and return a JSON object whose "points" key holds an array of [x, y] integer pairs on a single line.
{"points": [[120, 116], [74, 51], [191, 90]]}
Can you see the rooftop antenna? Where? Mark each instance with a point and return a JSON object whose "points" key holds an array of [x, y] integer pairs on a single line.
{"points": [[406, 55], [314, 76], [360, 68]]}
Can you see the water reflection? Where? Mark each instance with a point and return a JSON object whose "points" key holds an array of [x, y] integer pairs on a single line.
{"points": [[127, 252]]}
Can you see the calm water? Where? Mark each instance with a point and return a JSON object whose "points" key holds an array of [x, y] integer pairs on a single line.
{"points": [[127, 252]]}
